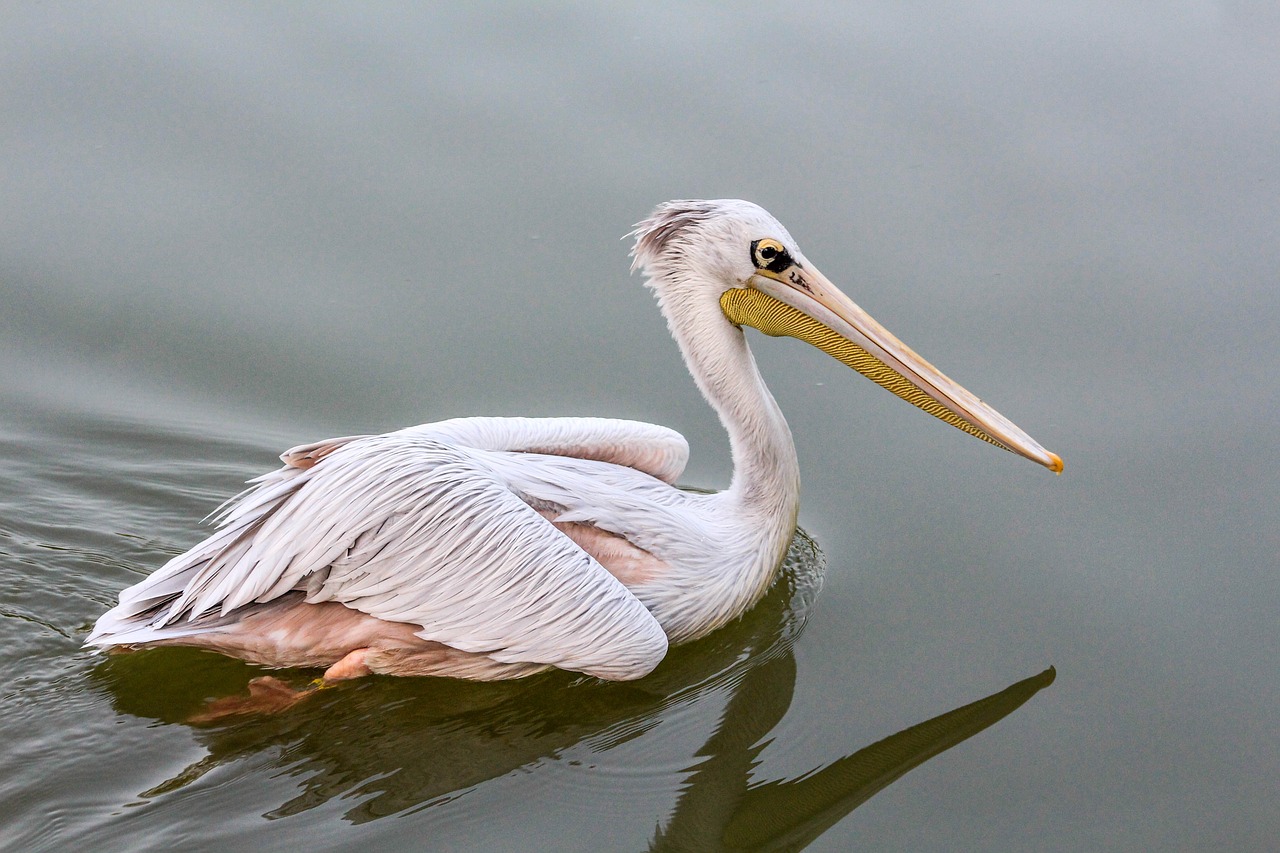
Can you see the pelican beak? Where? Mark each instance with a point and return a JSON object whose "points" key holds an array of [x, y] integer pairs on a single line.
{"points": [[800, 302]]}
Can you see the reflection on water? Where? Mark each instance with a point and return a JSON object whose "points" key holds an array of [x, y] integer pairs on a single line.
{"points": [[788, 814], [395, 745]]}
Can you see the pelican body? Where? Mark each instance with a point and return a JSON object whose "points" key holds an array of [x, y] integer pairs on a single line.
{"points": [[490, 548]]}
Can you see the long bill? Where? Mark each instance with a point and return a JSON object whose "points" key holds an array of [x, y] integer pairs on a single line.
{"points": [[800, 302]]}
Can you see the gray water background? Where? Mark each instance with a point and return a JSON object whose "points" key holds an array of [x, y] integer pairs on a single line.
{"points": [[229, 228]]}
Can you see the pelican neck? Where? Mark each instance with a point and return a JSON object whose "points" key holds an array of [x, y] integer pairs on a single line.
{"points": [[766, 472]]}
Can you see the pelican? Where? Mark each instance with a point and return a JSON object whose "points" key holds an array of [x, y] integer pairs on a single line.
{"points": [[492, 548]]}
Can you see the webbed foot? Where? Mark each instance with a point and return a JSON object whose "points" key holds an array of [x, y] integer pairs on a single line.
{"points": [[267, 695]]}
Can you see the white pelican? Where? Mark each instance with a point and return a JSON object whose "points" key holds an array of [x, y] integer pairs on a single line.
{"points": [[490, 548]]}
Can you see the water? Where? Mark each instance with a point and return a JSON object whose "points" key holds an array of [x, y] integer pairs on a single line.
{"points": [[229, 230]]}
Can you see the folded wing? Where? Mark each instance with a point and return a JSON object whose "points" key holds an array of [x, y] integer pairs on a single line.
{"points": [[407, 528]]}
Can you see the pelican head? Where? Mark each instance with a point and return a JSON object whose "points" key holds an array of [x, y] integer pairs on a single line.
{"points": [[731, 258]]}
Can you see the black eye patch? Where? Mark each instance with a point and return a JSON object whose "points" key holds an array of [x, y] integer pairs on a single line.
{"points": [[770, 256]]}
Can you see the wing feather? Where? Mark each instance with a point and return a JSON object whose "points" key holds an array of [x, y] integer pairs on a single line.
{"points": [[408, 528], [656, 450]]}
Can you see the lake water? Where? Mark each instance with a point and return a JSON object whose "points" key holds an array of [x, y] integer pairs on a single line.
{"points": [[230, 229]]}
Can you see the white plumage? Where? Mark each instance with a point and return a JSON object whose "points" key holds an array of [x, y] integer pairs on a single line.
{"points": [[495, 547]]}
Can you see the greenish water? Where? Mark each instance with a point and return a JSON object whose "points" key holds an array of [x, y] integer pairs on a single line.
{"points": [[227, 230]]}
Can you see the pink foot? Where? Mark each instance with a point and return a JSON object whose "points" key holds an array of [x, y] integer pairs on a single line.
{"points": [[270, 695], [267, 695], [351, 666]]}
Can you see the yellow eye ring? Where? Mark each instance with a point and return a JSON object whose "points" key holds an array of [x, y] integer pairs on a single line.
{"points": [[766, 252], [769, 254]]}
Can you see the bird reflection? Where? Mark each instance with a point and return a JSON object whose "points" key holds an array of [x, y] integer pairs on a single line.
{"points": [[392, 745]]}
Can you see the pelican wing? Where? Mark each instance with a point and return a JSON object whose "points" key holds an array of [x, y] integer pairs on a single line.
{"points": [[655, 450], [407, 528]]}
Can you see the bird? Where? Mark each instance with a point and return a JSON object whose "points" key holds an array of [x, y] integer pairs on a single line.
{"points": [[490, 548]]}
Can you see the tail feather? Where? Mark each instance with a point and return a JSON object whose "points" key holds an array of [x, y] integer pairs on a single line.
{"points": [[159, 607]]}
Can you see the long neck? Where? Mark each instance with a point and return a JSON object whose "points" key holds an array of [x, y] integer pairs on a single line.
{"points": [[755, 518], [766, 474]]}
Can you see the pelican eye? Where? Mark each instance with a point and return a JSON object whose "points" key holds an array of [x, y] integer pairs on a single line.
{"points": [[770, 255]]}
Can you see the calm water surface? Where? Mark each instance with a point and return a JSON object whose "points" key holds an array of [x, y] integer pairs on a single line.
{"points": [[229, 230]]}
